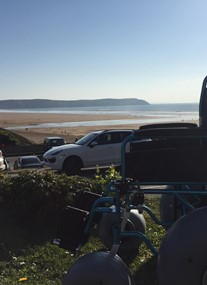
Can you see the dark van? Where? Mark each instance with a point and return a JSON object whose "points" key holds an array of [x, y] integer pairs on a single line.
{"points": [[49, 142]]}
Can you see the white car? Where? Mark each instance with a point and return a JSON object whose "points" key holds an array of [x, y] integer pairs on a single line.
{"points": [[2, 163], [102, 148]]}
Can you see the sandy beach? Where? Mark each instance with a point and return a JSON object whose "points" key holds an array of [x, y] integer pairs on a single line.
{"points": [[37, 135]]}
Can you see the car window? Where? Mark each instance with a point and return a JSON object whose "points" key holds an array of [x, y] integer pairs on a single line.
{"points": [[111, 138], [30, 160], [56, 142], [120, 136], [86, 139], [105, 138], [23, 161]]}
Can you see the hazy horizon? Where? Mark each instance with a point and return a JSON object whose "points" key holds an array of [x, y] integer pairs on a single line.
{"points": [[158, 103]]}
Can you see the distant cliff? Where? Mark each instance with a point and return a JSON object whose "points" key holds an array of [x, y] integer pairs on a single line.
{"points": [[44, 103]]}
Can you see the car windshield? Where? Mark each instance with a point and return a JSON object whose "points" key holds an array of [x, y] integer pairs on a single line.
{"points": [[86, 139]]}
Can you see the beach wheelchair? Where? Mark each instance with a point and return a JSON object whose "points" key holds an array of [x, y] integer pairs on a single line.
{"points": [[173, 157], [182, 212]]}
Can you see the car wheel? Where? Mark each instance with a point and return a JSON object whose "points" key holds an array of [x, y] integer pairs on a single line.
{"points": [[136, 222], [72, 166], [182, 254]]}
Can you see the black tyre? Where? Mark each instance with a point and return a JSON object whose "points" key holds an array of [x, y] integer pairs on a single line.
{"points": [[72, 166], [99, 268], [182, 255], [136, 222]]}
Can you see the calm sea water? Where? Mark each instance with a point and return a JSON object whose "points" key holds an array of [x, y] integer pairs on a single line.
{"points": [[158, 112]]}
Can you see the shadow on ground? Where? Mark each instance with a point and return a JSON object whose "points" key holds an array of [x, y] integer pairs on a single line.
{"points": [[16, 238], [147, 274]]}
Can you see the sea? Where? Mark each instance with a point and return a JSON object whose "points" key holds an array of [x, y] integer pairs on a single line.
{"points": [[140, 114]]}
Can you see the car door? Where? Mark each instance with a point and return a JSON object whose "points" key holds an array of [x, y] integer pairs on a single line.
{"points": [[106, 148], [100, 151]]}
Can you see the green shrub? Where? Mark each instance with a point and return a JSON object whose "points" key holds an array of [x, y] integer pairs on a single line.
{"points": [[103, 179], [33, 196]]}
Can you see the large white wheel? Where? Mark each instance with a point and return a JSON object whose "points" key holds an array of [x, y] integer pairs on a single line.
{"points": [[136, 222], [99, 268], [183, 252]]}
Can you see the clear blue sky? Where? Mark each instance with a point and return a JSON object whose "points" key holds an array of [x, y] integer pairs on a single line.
{"points": [[91, 49]]}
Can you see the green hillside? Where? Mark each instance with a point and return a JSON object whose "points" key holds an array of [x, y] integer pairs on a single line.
{"points": [[8, 138], [45, 103]]}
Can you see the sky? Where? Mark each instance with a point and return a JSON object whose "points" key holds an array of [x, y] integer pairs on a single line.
{"points": [[153, 50]]}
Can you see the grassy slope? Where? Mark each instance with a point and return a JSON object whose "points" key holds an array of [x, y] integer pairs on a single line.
{"points": [[8, 137]]}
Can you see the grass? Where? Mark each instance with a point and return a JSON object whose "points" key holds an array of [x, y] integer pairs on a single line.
{"points": [[27, 255], [8, 137]]}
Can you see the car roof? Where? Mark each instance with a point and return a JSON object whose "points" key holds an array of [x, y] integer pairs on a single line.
{"points": [[28, 156], [112, 130], [118, 130], [54, 138]]}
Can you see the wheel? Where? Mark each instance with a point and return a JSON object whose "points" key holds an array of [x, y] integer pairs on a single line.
{"points": [[136, 222], [182, 255], [72, 166], [99, 268]]}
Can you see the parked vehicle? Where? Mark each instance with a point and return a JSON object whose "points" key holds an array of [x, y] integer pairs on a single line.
{"points": [[50, 142], [6, 162], [102, 148], [2, 164], [30, 161]]}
